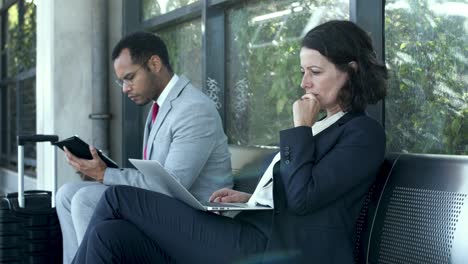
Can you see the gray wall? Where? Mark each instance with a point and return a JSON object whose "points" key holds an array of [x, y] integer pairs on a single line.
{"points": [[64, 84], [73, 75]]}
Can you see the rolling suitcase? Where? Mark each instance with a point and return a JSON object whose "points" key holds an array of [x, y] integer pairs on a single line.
{"points": [[29, 226]]}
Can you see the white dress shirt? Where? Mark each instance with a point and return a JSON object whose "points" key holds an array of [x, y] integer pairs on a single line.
{"points": [[162, 97]]}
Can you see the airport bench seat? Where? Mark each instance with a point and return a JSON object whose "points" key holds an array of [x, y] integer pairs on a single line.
{"points": [[415, 212]]}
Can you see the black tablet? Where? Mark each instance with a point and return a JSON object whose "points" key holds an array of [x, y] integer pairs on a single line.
{"points": [[80, 149]]}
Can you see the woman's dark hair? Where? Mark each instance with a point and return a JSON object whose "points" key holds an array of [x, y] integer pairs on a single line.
{"points": [[342, 42], [142, 45]]}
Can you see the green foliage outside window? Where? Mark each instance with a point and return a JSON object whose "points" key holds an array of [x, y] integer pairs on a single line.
{"points": [[426, 49], [184, 46], [21, 39], [264, 76], [427, 103]]}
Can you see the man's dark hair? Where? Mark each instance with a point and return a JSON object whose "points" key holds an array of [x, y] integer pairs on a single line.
{"points": [[342, 42], [142, 45]]}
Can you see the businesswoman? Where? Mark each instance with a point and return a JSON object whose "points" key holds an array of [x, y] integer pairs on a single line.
{"points": [[317, 182]]}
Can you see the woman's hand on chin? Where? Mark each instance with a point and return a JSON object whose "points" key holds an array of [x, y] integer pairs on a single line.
{"points": [[306, 110]]}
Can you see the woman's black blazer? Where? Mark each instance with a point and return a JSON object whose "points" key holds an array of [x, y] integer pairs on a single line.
{"points": [[319, 188]]}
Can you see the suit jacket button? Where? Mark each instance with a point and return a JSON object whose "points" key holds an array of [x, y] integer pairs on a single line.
{"points": [[286, 148], [286, 153], [287, 162]]}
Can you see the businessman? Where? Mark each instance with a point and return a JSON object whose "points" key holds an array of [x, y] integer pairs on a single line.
{"points": [[183, 131]]}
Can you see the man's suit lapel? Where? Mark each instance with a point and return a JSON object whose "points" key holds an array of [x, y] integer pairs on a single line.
{"points": [[163, 111]]}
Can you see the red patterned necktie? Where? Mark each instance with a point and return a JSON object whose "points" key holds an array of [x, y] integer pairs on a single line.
{"points": [[154, 113]]}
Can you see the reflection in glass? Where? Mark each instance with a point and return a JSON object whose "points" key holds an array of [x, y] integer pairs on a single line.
{"points": [[184, 45], [21, 39], [4, 120], [22, 122], [28, 114], [29, 35], [152, 8], [12, 120], [12, 36], [18, 96], [263, 64], [426, 50]]}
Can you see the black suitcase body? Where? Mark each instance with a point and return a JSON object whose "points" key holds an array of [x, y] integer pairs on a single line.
{"points": [[30, 232]]}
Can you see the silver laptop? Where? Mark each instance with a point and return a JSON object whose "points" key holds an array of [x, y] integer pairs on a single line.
{"points": [[169, 185]]}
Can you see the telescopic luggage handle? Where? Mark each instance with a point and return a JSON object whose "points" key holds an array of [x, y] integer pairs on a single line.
{"points": [[22, 139]]}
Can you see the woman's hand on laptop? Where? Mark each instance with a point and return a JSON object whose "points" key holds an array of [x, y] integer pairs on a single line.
{"points": [[226, 195]]}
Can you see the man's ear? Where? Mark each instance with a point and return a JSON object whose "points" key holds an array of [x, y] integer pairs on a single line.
{"points": [[353, 65], [155, 63]]}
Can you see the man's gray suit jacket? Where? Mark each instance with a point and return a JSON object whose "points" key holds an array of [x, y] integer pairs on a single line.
{"points": [[187, 138]]}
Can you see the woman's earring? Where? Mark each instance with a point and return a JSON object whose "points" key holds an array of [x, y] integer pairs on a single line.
{"points": [[353, 65]]}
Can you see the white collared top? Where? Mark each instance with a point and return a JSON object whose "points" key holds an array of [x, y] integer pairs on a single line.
{"points": [[263, 193], [162, 97]]}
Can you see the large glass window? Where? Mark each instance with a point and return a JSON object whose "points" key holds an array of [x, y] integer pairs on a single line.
{"points": [[426, 46], [184, 46], [152, 8], [264, 77], [183, 42], [17, 81], [256, 69]]}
